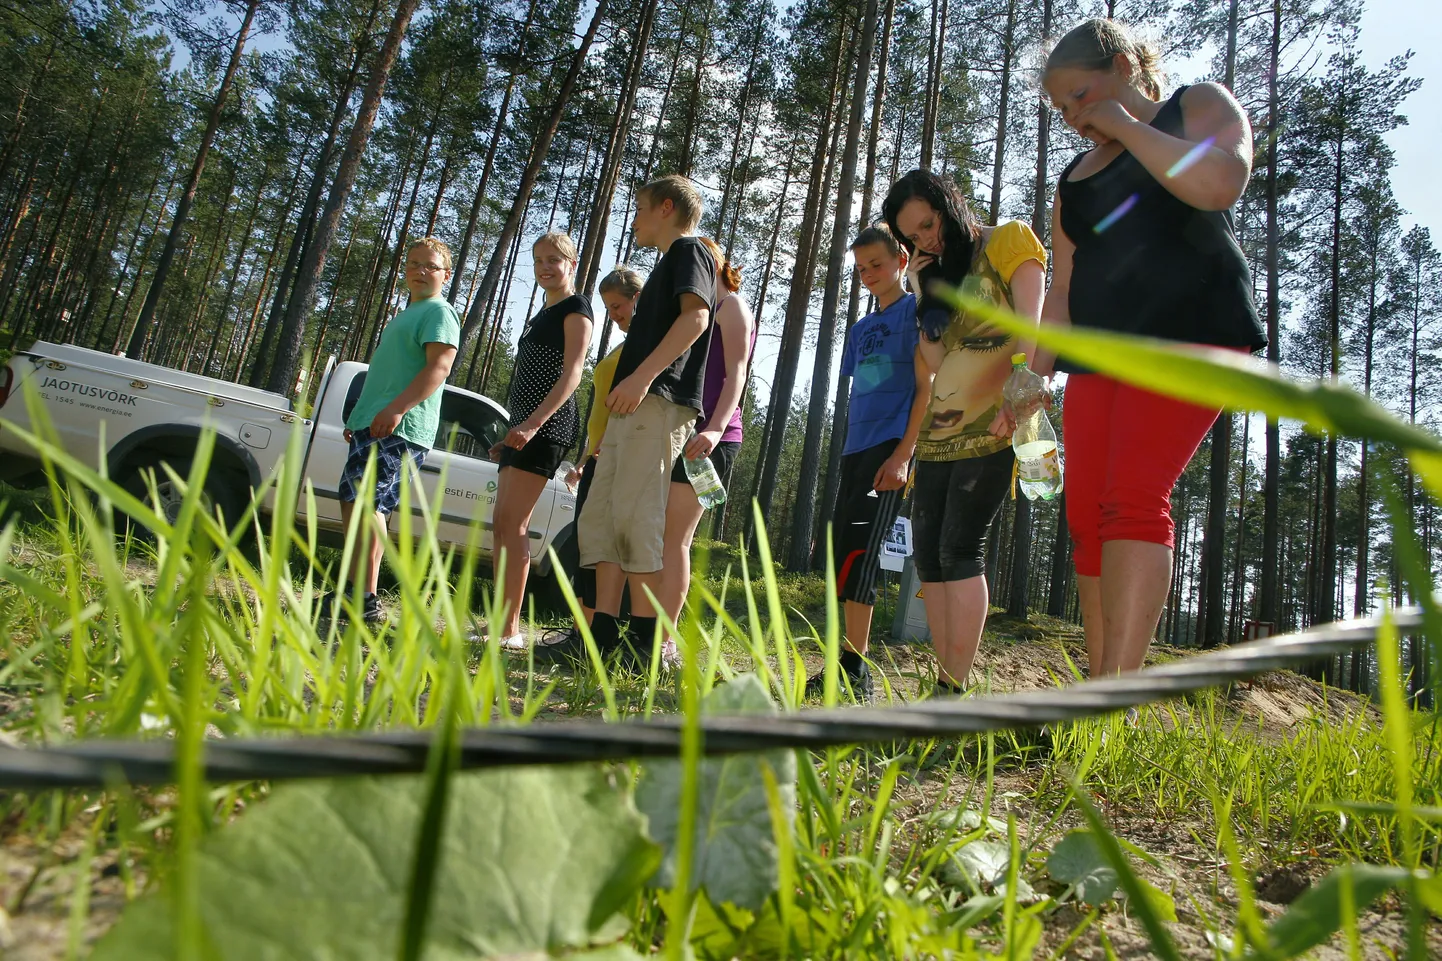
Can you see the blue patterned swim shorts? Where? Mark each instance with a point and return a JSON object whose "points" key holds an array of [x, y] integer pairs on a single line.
{"points": [[390, 455]]}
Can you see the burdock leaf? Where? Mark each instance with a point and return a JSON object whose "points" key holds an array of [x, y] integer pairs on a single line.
{"points": [[534, 863], [736, 854], [1078, 859]]}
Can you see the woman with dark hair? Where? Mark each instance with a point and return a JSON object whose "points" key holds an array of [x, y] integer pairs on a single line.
{"points": [[1143, 239], [964, 457]]}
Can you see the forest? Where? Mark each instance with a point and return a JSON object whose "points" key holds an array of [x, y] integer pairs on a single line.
{"points": [[229, 188]]}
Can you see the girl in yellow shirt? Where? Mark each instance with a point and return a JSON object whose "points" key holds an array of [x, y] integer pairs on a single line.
{"points": [[964, 456]]}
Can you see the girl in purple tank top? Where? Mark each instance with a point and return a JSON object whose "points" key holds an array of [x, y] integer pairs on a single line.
{"points": [[718, 428]]}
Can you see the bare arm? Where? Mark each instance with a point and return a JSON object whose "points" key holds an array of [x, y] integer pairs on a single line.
{"points": [[578, 340], [689, 326], [1209, 167], [439, 358], [1055, 309], [892, 473], [734, 322]]}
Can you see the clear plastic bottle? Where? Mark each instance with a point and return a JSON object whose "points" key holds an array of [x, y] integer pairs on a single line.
{"points": [[705, 481], [1038, 460]]}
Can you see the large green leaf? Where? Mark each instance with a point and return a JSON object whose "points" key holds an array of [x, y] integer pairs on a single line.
{"points": [[1317, 914], [535, 863], [1078, 859], [1223, 378], [736, 855]]}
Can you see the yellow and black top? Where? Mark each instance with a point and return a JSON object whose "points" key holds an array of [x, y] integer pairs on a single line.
{"points": [[966, 392]]}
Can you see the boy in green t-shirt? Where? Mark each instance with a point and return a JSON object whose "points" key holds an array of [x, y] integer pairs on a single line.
{"points": [[399, 408]]}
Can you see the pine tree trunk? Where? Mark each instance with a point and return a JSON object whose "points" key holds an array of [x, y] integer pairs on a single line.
{"points": [[395, 270], [235, 272], [687, 160], [1021, 535], [729, 182], [41, 285], [528, 177], [1269, 608], [783, 382], [600, 215], [935, 43], [182, 209], [292, 336], [1326, 610], [1364, 506], [464, 252], [841, 405], [1213, 544], [1239, 583], [305, 225], [803, 520], [129, 260]]}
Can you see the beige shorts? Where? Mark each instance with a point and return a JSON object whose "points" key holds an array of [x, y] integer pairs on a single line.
{"points": [[624, 519]]}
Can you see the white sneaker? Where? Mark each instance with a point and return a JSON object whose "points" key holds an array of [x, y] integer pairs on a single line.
{"points": [[516, 642]]}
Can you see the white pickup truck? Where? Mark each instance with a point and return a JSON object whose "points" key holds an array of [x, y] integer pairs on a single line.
{"points": [[155, 414]]}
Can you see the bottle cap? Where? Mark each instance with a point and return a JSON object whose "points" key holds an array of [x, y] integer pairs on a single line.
{"points": [[1017, 359]]}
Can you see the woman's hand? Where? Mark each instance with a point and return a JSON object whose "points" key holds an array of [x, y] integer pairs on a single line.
{"points": [[918, 262], [1103, 121], [520, 435], [702, 445], [573, 478], [1004, 423]]}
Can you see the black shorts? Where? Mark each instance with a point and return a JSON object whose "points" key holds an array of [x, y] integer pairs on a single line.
{"points": [[955, 504], [864, 516], [537, 457], [585, 576], [722, 458]]}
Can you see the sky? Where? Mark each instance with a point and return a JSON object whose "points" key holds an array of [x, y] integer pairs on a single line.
{"points": [[1390, 28]]}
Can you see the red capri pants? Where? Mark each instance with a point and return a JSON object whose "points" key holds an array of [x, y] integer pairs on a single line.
{"points": [[1125, 449]]}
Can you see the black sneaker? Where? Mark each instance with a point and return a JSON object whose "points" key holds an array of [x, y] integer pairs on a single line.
{"points": [[860, 683], [560, 646], [947, 689], [335, 607]]}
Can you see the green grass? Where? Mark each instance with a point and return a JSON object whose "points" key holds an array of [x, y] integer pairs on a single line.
{"points": [[199, 632]]}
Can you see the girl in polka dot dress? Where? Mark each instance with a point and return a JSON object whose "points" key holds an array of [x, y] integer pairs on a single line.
{"points": [[544, 418]]}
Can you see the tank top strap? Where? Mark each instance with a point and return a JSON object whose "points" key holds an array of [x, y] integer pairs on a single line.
{"points": [[1169, 118], [1066, 173]]}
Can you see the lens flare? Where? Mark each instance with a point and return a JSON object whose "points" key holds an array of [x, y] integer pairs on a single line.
{"points": [[1111, 218], [1190, 157]]}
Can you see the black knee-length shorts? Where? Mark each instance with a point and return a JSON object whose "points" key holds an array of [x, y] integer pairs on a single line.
{"points": [[954, 505]]}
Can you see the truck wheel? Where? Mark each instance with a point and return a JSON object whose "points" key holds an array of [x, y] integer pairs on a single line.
{"points": [[218, 491]]}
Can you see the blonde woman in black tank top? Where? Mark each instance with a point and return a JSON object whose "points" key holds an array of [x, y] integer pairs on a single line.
{"points": [[1142, 243]]}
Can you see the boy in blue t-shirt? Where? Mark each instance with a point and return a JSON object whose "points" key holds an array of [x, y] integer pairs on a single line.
{"points": [[885, 417]]}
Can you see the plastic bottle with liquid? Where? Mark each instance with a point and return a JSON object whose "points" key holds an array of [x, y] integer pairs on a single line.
{"points": [[705, 481], [1038, 460]]}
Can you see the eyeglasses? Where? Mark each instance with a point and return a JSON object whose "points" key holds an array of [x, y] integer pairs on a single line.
{"points": [[428, 268]]}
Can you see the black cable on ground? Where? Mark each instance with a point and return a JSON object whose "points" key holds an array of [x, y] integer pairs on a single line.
{"points": [[100, 762]]}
